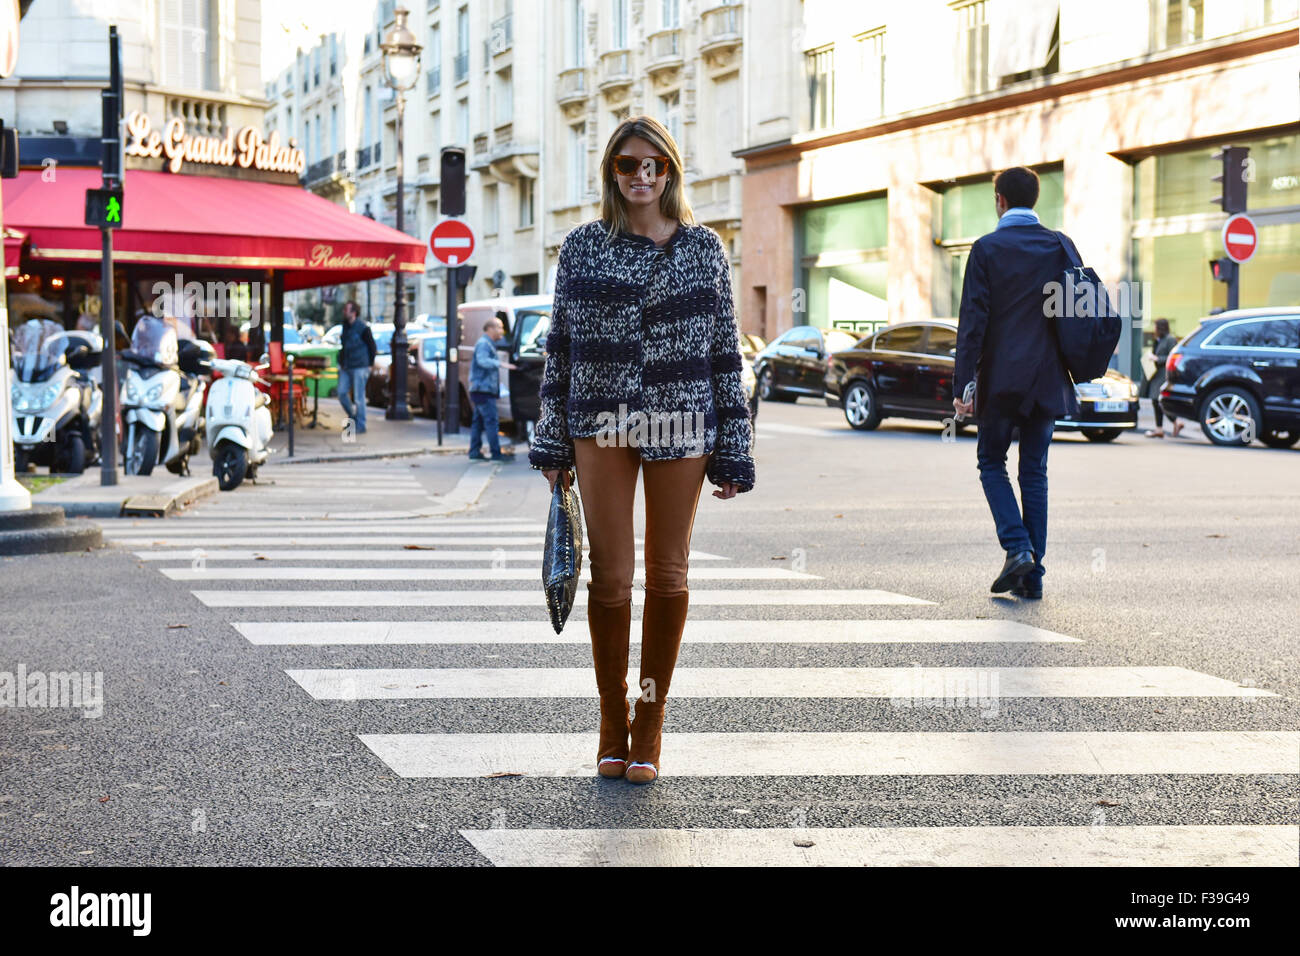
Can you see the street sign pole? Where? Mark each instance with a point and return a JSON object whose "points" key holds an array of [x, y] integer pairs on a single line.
{"points": [[113, 176], [452, 242]]}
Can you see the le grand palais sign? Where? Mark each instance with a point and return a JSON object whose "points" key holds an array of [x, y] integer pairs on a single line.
{"points": [[240, 154]]}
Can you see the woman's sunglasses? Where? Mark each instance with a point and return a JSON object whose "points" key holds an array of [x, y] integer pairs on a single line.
{"points": [[631, 165]]}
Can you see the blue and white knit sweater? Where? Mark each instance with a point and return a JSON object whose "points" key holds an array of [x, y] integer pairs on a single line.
{"points": [[641, 335]]}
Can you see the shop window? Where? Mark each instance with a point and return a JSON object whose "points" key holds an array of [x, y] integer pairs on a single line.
{"points": [[843, 265]]}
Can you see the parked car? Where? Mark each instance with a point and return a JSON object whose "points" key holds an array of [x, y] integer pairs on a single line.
{"points": [[794, 363], [1238, 374], [905, 371], [747, 377], [527, 319], [427, 358], [751, 345]]}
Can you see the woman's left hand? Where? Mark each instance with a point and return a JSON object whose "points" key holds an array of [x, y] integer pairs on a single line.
{"points": [[726, 490]]}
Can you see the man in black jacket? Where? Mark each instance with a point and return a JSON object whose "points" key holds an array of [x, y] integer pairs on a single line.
{"points": [[1009, 373], [356, 355]]}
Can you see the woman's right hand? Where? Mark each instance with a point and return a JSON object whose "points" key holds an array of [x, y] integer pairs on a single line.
{"points": [[552, 475]]}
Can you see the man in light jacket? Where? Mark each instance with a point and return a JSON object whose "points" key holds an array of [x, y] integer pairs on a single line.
{"points": [[484, 387]]}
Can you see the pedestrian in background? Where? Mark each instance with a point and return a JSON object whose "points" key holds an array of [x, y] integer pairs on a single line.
{"points": [[1164, 344], [357, 353], [484, 389], [1008, 353], [642, 315]]}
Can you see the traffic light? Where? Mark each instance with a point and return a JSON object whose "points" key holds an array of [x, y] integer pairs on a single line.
{"points": [[1233, 177], [451, 185], [465, 275], [104, 208], [1223, 270]]}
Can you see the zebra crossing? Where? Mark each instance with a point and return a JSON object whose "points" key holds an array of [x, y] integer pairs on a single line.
{"points": [[238, 559]]}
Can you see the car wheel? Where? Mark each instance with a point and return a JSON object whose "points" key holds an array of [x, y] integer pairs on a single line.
{"points": [[1280, 438], [861, 410], [1101, 434], [767, 389], [1230, 416]]}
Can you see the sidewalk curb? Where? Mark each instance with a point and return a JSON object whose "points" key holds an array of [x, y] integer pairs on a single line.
{"points": [[116, 500], [369, 455]]}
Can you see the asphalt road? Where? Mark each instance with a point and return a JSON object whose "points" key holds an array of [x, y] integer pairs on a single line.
{"points": [[1162, 554]]}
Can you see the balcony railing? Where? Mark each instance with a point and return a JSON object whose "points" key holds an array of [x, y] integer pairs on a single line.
{"points": [[666, 45], [721, 27], [572, 85], [502, 36], [319, 170], [433, 81], [378, 150], [462, 66], [480, 143], [615, 69]]}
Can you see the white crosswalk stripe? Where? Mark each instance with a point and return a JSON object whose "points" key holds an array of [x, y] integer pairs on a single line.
{"points": [[357, 559]]}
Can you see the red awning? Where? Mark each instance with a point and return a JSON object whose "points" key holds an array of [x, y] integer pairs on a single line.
{"points": [[209, 222], [13, 250]]}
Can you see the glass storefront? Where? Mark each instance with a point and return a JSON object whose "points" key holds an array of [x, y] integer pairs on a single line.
{"points": [[964, 212], [843, 264], [1177, 230]]}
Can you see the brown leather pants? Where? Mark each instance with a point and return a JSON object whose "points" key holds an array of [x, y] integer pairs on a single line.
{"points": [[607, 486]]}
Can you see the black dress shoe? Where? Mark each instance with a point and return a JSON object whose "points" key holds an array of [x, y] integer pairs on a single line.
{"points": [[1018, 564], [1028, 591]]}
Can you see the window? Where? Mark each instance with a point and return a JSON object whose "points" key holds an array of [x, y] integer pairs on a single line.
{"points": [[435, 347], [577, 163], [368, 117], [491, 212], [820, 65], [1176, 22], [942, 340], [670, 14], [184, 31], [462, 122], [670, 114], [618, 25], [576, 34], [1270, 334], [973, 47], [505, 96], [525, 202], [334, 54], [533, 324], [871, 68], [462, 45], [434, 56], [334, 130], [906, 338]]}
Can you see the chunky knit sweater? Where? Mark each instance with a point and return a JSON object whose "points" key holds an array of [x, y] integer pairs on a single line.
{"points": [[643, 351]]}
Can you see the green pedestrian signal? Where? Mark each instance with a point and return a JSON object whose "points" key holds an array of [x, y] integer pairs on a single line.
{"points": [[104, 208]]}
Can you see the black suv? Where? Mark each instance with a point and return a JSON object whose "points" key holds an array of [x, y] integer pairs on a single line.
{"points": [[1238, 374]]}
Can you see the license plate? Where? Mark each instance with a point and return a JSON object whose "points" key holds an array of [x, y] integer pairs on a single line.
{"points": [[1110, 406]]}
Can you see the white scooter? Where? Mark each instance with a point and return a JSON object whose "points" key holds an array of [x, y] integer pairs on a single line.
{"points": [[239, 423], [56, 404], [162, 410]]}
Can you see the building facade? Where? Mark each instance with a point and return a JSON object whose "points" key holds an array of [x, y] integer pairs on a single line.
{"points": [[869, 163]]}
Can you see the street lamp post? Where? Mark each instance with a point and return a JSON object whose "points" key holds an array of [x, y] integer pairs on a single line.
{"points": [[401, 70]]}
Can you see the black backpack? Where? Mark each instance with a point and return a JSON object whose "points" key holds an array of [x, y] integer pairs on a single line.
{"points": [[1087, 326]]}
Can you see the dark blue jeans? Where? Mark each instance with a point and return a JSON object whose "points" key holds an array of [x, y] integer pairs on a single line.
{"points": [[485, 420], [1017, 532]]}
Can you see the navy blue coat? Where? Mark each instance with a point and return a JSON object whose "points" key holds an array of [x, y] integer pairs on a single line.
{"points": [[1005, 341]]}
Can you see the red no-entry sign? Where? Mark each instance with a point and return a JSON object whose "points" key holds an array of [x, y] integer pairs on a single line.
{"points": [[1240, 237], [452, 242]]}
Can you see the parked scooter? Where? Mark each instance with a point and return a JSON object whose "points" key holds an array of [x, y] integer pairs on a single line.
{"points": [[56, 404], [239, 423], [162, 410]]}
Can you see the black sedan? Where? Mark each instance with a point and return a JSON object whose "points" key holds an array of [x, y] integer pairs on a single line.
{"points": [[905, 371], [794, 363], [1238, 374]]}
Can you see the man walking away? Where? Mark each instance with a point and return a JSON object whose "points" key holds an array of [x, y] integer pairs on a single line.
{"points": [[484, 387], [356, 356], [1007, 352]]}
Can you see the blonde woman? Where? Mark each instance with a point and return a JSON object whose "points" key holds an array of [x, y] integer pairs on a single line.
{"points": [[642, 374]]}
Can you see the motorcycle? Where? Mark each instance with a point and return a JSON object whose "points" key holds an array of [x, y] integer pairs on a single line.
{"points": [[162, 407], [238, 422], [56, 403]]}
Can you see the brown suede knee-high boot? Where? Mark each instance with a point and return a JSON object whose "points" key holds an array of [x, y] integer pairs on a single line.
{"points": [[610, 635], [661, 638]]}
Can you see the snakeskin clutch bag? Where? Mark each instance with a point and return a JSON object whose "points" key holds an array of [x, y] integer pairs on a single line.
{"points": [[562, 554]]}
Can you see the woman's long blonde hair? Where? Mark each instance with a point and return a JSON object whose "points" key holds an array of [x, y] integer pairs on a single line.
{"points": [[673, 202]]}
